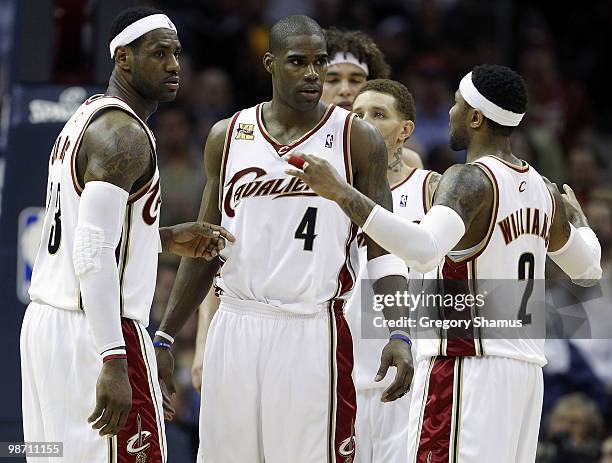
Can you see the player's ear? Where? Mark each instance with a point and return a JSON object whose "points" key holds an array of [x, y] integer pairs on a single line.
{"points": [[124, 58], [268, 59], [476, 118], [407, 129]]}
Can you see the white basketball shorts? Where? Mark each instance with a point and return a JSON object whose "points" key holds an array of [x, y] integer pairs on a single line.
{"points": [[277, 386], [59, 372], [381, 431], [475, 409]]}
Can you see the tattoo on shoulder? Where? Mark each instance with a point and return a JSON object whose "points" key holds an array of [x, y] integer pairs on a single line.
{"points": [[121, 157], [463, 188]]}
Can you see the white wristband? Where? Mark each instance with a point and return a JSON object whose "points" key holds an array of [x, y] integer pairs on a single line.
{"points": [[386, 265], [166, 336]]}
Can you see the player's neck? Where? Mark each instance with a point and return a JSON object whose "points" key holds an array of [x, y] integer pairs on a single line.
{"points": [[485, 144], [286, 117], [397, 170], [120, 88]]}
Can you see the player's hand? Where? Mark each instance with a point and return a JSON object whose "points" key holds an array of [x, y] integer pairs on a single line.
{"points": [[198, 239], [196, 367], [396, 353], [165, 373], [573, 210], [113, 398], [318, 174]]}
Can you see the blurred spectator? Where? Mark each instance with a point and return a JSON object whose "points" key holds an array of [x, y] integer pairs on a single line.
{"points": [[573, 431], [585, 171], [433, 100], [541, 150], [212, 99], [606, 451], [568, 371], [392, 37], [556, 104], [181, 167], [599, 214]]}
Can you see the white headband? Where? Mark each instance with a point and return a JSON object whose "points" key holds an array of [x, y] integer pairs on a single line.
{"points": [[140, 28], [347, 57], [477, 100]]}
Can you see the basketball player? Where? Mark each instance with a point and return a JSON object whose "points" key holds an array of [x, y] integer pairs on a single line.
{"points": [[278, 355], [382, 428], [478, 399], [94, 275], [354, 59]]}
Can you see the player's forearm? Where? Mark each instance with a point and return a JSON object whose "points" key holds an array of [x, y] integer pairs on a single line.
{"points": [[421, 245], [206, 313], [165, 235], [193, 280], [355, 204], [391, 289]]}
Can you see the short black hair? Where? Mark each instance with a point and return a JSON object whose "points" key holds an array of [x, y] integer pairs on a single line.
{"points": [[404, 102], [129, 16], [502, 86], [362, 47], [290, 26]]}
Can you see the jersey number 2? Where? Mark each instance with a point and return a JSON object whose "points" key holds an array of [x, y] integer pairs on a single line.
{"points": [[55, 234], [306, 229], [525, 260]]}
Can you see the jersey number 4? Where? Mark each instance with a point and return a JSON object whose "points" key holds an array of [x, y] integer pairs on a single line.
{"points": [[55, 235], [306, 229]]}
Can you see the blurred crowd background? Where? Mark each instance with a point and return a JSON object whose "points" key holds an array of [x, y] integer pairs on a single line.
{"points": [[561, 51]]}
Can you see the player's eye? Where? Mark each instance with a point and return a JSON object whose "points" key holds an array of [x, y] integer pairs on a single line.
{"points": [[360, 115], [159, 53], [332, 80], [321, 62], [296, 61], [379, 115]]}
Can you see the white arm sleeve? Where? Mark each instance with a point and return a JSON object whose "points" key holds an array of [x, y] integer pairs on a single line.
{"points": [[101, 214], [420, 245], [580, 257]]}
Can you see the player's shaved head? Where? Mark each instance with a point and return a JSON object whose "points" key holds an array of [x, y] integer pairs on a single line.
{"points": [[291, 26]]}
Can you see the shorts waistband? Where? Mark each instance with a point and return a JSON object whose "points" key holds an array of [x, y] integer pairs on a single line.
{"points": [[232, 304]]}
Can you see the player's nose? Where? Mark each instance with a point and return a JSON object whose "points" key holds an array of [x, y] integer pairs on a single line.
{"points": [[311, 72], [345, 89]]}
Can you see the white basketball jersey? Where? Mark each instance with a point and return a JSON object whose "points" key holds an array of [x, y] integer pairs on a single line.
{"points": [[512, 253], [410, 200], [54, 281], [292, 246]]}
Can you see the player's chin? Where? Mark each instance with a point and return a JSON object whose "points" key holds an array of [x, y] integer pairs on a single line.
{"points": [[167, 96]]}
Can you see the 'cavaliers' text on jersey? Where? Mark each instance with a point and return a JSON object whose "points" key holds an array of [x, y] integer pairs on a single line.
{"points": [[292, 246]]}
